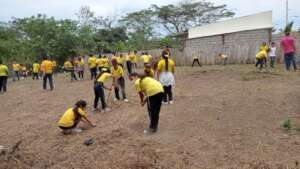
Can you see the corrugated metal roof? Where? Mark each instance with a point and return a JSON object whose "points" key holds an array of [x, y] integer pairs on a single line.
{"points": [[252, 22]]}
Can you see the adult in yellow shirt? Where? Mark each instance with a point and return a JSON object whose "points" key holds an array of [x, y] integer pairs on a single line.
{"points": [[92, 62], [99, 87], [146, 58], [150, 92], [36, 70], [73, 116], [16, 68], [260, 57], [3, 76], [165, 73], [47, 69], [80, 67], [119, 81]]}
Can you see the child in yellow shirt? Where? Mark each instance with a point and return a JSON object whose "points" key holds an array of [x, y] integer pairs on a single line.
{"points": [[260, 57], [99, 87], [16, 68], [73, 116], [151, 92], [36, 70], [119, 81], [148, 70]]}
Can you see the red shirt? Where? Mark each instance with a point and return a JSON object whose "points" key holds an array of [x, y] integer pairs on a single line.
{"points": [[288, 44]]}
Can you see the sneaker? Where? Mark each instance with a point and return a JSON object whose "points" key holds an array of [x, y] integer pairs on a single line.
{"points": [[171, 102], [115, 99], [77, 130], [126, 100], [165, 103], [107, 109], [149, 131]]}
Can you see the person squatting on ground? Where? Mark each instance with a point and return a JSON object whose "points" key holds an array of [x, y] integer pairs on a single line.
{"points": [[3, 76], [16, 71], [151, 93], [196, 60], [80, 68], [289, 48], [119, 81], [36, 70], [260, 58], [99, 87], [272, 54], [264, 47], [92, 62], [47, 69], [73, 116], [166, 69]]}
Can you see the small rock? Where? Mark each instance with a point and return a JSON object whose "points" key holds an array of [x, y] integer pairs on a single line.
{"points": [[89, 142]]}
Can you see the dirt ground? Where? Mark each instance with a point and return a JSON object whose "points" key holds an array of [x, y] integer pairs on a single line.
{"points": [[223, 117]]}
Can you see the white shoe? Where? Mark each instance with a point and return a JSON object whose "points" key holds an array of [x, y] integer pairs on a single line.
{"points": [[171, 102], [107, 109], [77, 130], [126, 100], [115, 99], [165, 103]]}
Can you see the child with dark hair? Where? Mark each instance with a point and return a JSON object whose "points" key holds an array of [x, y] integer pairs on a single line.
{"points": [[166, 70], [47, 69], [272, 54], [3, 76], [73, 116], [36, 70], [148, 70], [119, 81], [80, 67], [151, 93], [93, 66], [99, 87], [16, 68]]}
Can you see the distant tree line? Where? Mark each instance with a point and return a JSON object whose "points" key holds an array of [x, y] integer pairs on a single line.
{"points": [[27, 39]]}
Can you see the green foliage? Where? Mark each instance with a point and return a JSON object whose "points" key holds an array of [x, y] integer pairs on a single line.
{"points": [[287, 124], [288, 28]]}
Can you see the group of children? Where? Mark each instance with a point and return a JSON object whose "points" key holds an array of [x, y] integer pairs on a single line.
{"points": [[266, 53], [151, 91]]}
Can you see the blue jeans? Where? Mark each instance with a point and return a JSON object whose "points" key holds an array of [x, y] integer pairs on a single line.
{"points": [[289, 58]]}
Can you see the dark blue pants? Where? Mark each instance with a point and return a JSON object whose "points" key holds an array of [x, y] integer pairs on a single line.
{"points": [[3, 82], [99, 94], [289, 58], [49, 77]]}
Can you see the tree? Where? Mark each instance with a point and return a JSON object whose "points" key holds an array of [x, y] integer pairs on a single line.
{"points": [[178, 18]]}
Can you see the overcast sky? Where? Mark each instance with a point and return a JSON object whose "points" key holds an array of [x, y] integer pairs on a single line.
{"points": [[68, 8]]}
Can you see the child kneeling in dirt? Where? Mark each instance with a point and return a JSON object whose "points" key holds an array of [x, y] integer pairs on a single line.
{"points": [[73, 116]]}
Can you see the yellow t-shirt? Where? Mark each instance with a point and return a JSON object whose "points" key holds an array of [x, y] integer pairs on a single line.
{"points": [[105, 62], [261, 54], [80, 63], [146, 58], [36, 67], [24, 68], [54, 63], [47, 66], [162, 65], [136, 58], [104, 77], [3, 70], [68, 119], [114, 57], [68, 65], [16, 67], [149, 72], [265, 48], [132, 58], [117, 72], [149, 86], [92, 62], [121, 60]]}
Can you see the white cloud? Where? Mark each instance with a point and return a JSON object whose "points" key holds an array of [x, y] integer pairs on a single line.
{"points": [[68, 8]]}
